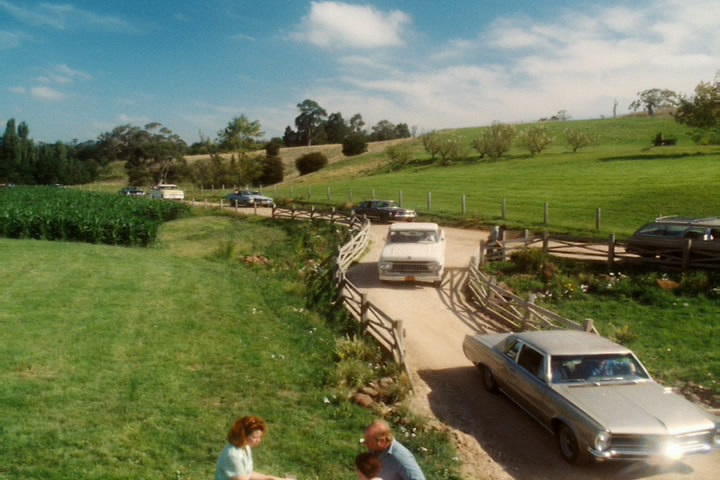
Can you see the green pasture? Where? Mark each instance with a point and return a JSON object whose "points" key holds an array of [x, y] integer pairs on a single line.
{"points": [[623, 175], [127, 363]]}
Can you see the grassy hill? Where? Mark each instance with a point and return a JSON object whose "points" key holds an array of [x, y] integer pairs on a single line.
{"points": [[127, 363]]}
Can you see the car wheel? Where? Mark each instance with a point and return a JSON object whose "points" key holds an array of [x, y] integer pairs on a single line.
{"points": [[488, 379], [569, 446]]}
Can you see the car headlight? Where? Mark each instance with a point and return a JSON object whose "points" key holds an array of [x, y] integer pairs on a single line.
{"points": [[384, 266], [435, 267], [602, 441]]}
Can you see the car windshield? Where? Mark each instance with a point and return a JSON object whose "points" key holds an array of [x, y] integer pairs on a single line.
{"points": [[413, 236], [389, 204], [596, 368]]}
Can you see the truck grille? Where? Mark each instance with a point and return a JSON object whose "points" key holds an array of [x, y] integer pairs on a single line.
{"points": [[413, 267]]}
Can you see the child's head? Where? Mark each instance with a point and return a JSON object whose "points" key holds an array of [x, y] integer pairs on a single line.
{"points": [[368, 464]]}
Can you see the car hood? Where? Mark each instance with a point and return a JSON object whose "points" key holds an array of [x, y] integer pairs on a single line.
{"points": [[412, 251], [642, 408], [396, 210]]}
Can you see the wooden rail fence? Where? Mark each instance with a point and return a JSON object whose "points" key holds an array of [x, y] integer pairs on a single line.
{"points": [[674, 254], [514, 311], [388, 332]]}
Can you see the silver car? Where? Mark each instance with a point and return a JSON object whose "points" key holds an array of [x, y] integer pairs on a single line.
{"points": [[593, 394]]}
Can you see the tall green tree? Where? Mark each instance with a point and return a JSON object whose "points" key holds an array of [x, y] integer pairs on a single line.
{"points": [[311, 117], [653, 99], [702, 112], [240, 135], [357, 123], [336, 128]]}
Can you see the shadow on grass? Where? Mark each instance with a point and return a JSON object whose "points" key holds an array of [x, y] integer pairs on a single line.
{"points": [[656, 155]]}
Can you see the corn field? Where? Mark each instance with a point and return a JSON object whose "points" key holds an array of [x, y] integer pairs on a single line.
{"points": [[47, 213]]}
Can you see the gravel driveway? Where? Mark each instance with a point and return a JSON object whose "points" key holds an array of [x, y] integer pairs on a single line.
{"points": [[495, 439]]}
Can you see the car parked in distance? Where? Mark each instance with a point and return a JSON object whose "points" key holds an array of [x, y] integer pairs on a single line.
{"points": [[385, 211], [593, 394], [413, 252], [132, 192], [167, 191], [666, 234], [247, 198]]}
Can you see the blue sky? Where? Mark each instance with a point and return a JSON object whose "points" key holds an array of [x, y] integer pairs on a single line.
{"points": [[73, 69]]}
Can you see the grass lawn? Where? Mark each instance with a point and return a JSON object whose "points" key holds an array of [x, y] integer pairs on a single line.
{"points": [[126, 363]]}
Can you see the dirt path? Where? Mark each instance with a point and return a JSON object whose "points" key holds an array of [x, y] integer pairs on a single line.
{"points": [[495, 439]]}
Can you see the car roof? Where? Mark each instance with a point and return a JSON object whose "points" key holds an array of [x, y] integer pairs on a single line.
{"points": [[677, 220], [399, 227], [570, 342]]}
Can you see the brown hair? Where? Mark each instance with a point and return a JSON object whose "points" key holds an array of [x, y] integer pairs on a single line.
{"points": [[243, 428], [369, 464]]}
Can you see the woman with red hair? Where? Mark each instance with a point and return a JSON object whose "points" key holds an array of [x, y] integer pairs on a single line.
{"points": [[235, 462]]}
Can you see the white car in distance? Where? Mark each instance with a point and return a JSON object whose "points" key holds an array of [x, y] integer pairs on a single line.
{"points": [[413, 252]]}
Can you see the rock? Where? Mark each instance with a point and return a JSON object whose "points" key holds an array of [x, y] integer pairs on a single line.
{"points": [[667, 284], [363, 399], [370, 391]]}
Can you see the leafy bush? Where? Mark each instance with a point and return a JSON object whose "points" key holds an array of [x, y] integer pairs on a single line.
{"points": [[494, 141], [578, 139], [451, 148], [310, 162], [273, 170], [535, 139], [400, 155], [431, 143], [354, 144], [272, 148]]}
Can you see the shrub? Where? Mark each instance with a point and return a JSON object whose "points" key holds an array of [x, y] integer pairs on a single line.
{"points": [[431, 143], [272, 148], [535, 139], [451, 149], [273, 170], [494, 141], [310, 162], [400, 155], [578, 139], [354, 144]]}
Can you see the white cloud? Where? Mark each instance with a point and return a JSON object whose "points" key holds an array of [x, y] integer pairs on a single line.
{"points": [[47, 93], [341, 25], [65, 17], [520, 69], [17, 90]]}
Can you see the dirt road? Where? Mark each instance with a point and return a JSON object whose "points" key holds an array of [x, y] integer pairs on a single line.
{"points": [[495, 439]]}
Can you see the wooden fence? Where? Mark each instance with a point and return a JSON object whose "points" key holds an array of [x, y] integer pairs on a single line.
{"points": [[674, 254], [388, 332], [515, 312]]}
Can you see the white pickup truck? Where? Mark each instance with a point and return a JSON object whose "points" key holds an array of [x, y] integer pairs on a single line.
{"points": [[413, 252], [167, 191]]}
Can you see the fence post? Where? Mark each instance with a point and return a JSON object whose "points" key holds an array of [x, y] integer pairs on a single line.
{"points": [[328, 194], [292, 213], [350, 195], [546, 212], [309, 194], [611, 252], [254, 208], [364, 306], [504, 208], [332, 215], [589, 325], [526, 237], [598, 216], [464, 205], [292, 191], [429, 201], [528, 316], [400, 198], [503, 251], [481, 253], [546, 242], [312, 211], [205, 204], [399, 333], [221, 204], [273, 210], [373, 194], [686, 254]]}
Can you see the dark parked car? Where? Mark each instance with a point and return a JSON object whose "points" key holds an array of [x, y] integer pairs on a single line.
{"points": [[593, 394], [132, 192], [246, 198], [385, 211], [668, 234]]}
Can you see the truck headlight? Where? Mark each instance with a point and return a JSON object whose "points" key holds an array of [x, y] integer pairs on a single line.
{"points": [[435, 266], [385, 266], [602, 440]]}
